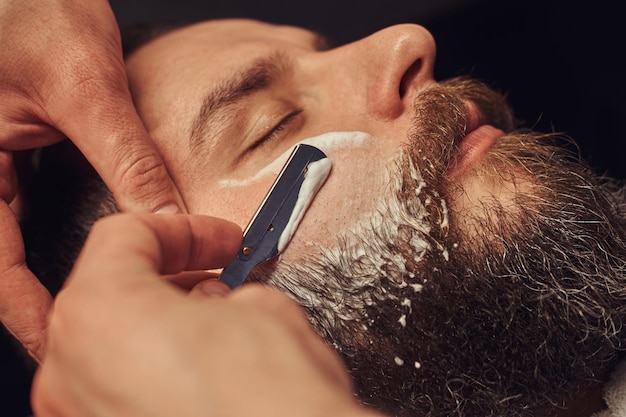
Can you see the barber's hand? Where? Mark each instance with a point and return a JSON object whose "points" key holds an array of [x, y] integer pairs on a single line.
{"points": [[124, 341], [62, 75]]}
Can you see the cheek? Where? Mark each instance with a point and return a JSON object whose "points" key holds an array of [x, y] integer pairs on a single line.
{"points": [[236, 204], [348, 198]]}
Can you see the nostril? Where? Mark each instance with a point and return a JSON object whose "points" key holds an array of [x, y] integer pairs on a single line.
{"points": [[409, 77]]}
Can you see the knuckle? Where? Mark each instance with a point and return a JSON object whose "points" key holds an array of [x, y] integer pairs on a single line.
{"points": [[144, 179], [34, 343]]}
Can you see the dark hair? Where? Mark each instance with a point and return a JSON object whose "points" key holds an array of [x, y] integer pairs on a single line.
{"points": [[137, 35], [63, 199]]}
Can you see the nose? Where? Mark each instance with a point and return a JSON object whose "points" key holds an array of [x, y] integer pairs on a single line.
{"points": [[382, 72]]}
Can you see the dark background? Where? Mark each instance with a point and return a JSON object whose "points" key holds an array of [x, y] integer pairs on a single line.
{"points": [[560, 63]]}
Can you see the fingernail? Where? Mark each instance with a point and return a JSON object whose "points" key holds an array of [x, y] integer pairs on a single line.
{"points": [[168, 209], [213, 288]]}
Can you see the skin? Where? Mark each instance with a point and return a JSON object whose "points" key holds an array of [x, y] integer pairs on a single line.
{"points": [[272, 357], [375, 79], [62, 54]]}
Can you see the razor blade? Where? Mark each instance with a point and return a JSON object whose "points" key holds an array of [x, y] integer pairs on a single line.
{"points": [[261, 237]]}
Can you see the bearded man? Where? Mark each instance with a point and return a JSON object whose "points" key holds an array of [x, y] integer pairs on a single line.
{"points": [[459, 265]]}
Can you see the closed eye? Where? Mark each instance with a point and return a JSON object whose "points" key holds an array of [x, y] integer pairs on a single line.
{"points": [[275, 131]]}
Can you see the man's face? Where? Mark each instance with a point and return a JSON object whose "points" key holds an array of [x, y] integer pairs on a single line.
{"points": [[456, 269], [226, 100]]}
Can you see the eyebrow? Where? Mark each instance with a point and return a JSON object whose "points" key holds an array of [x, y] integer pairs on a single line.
{"points": [[258, 75], [223, 99]]}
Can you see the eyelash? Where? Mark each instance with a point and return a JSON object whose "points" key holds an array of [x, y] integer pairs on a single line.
{"points": [[273, 134]]}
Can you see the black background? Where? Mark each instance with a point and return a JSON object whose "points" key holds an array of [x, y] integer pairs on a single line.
{"points": [[560, 63]]}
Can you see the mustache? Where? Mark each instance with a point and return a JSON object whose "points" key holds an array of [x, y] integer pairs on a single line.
{"points": [[442, 117], [493, 105]]}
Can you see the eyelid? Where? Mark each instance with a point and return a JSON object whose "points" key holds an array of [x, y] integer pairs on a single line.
{"points": [[273, 133]]}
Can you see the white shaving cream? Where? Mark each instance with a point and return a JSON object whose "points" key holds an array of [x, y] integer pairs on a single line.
{"points": [[314, 178], [326, 142]]}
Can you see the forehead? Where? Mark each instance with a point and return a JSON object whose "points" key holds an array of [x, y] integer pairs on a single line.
{"points": [[221, 43], [169, 76]]}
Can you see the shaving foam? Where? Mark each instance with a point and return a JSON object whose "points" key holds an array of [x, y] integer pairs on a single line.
{"points": [[326, 142], [314, 178]]}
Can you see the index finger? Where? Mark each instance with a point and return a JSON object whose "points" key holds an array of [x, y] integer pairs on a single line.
{"points": [[24, 302], [131, 249]]}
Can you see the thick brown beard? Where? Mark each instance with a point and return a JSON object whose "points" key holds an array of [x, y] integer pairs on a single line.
{"points": [[516, 319], [528, 312]]}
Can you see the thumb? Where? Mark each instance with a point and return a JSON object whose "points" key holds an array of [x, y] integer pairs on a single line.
{"points": [[92, 105], [210, 288], [78, 86], [114, 140]]}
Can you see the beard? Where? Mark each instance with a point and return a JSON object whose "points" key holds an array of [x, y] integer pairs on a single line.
{"points": [[513, 309]]}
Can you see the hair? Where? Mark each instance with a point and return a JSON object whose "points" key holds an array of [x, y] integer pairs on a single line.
{"points": [[62, 201], [138, 35]]}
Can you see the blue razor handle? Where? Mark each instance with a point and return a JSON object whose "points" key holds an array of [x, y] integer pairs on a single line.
{"points": [[260, 240]]}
